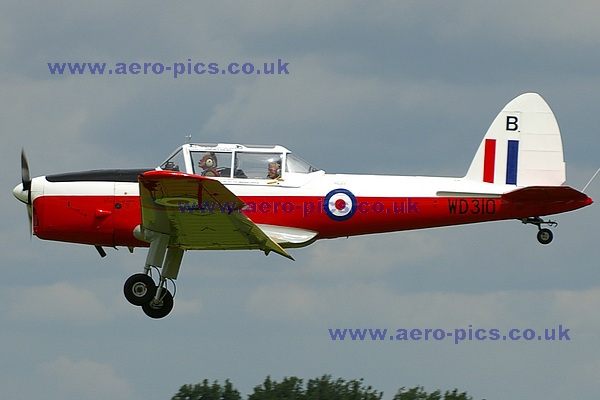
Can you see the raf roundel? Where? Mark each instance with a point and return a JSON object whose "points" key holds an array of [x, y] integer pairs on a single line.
{"points": [[340, 204]]}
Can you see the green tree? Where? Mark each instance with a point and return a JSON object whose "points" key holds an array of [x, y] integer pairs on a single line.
{"points": [[454, 395], [206, 391], [324, 388], [288, 389], [419, 393]]}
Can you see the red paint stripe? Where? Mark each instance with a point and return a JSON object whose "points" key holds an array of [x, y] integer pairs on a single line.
{"points": [[489, 160], [72, 219]]}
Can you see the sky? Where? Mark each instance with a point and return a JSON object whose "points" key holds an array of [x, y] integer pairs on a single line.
{"points": [[407, 88]]}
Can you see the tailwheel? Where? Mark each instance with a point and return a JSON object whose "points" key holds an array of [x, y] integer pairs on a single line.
{"points": [[544, 235], [139, 289], [159, 308]]}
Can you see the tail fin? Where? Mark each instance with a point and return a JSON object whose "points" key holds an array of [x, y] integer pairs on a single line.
{"points": [[522, 147]]}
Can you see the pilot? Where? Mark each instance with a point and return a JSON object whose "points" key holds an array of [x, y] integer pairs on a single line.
{"points": [[208, 163], [274, 170]]}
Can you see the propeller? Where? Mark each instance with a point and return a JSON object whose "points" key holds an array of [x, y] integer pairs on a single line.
{"points": [[26, 187], [25, 177]]}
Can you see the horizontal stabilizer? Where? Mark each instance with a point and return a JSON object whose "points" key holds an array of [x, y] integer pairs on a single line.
{"points": [[547, 194], [535, 201]]}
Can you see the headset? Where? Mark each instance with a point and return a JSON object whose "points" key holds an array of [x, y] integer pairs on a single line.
{"points": [[211, 161]]}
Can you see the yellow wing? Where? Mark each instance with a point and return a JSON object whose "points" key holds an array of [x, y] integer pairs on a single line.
{"points": [[199, 213]]}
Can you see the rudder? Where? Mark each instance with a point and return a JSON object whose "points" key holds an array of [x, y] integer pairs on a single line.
{"points": [[522, 147]]}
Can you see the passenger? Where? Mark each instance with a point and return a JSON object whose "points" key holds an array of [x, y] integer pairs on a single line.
{"points": [[274, 170], [208, 163]]}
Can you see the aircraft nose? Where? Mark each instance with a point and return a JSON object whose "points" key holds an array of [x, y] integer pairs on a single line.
{"points": [[20, 194]]}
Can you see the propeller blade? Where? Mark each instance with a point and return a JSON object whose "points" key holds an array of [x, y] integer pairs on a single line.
{"points": [[25, 177], [29, 212], [26, 183]]}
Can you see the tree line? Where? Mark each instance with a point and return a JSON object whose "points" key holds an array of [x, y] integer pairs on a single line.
{"points": [[322, 388]]}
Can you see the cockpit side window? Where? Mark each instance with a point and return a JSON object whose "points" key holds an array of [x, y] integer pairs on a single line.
{"points": [[258, 165], [212, 163], [175, 163]]}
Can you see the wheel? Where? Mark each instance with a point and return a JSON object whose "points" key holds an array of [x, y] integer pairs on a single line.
{"points": [[139, 289], [160, 310], [545, 236]]}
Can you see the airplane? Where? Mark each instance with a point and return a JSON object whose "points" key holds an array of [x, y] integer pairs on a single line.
{"points": [[234, 197]]}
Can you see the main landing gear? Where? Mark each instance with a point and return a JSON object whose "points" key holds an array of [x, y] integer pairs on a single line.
{"points": [[544, 235], [141, 290]]}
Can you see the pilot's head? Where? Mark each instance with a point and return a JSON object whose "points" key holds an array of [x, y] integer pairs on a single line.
{"points": [[208, 161], [273, 170]]}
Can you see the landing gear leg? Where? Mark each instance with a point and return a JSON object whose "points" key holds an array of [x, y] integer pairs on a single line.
{"points": [[140, 290], [162, 303], [544, 235]]}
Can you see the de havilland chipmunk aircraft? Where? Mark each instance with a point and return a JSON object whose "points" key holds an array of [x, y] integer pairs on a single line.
{"points": [[231, 197]]}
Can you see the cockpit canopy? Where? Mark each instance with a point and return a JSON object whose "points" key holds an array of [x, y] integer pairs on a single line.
{"points": [[236, 161]]}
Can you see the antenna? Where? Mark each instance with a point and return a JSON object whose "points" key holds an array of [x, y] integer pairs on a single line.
{"points": [[588, 184], [189, 138]]}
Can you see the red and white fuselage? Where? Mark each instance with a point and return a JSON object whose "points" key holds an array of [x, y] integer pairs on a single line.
{"points": [[103, 208]]}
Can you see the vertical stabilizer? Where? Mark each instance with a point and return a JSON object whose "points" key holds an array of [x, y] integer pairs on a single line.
{"points": [[522, 147]]}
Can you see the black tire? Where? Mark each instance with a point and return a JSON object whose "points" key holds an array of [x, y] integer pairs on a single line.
{"points": [[545, 236], [139, 289], [160, 310]]}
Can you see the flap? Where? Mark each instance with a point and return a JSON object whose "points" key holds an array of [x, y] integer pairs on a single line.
{"points": [[293, 236]]}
